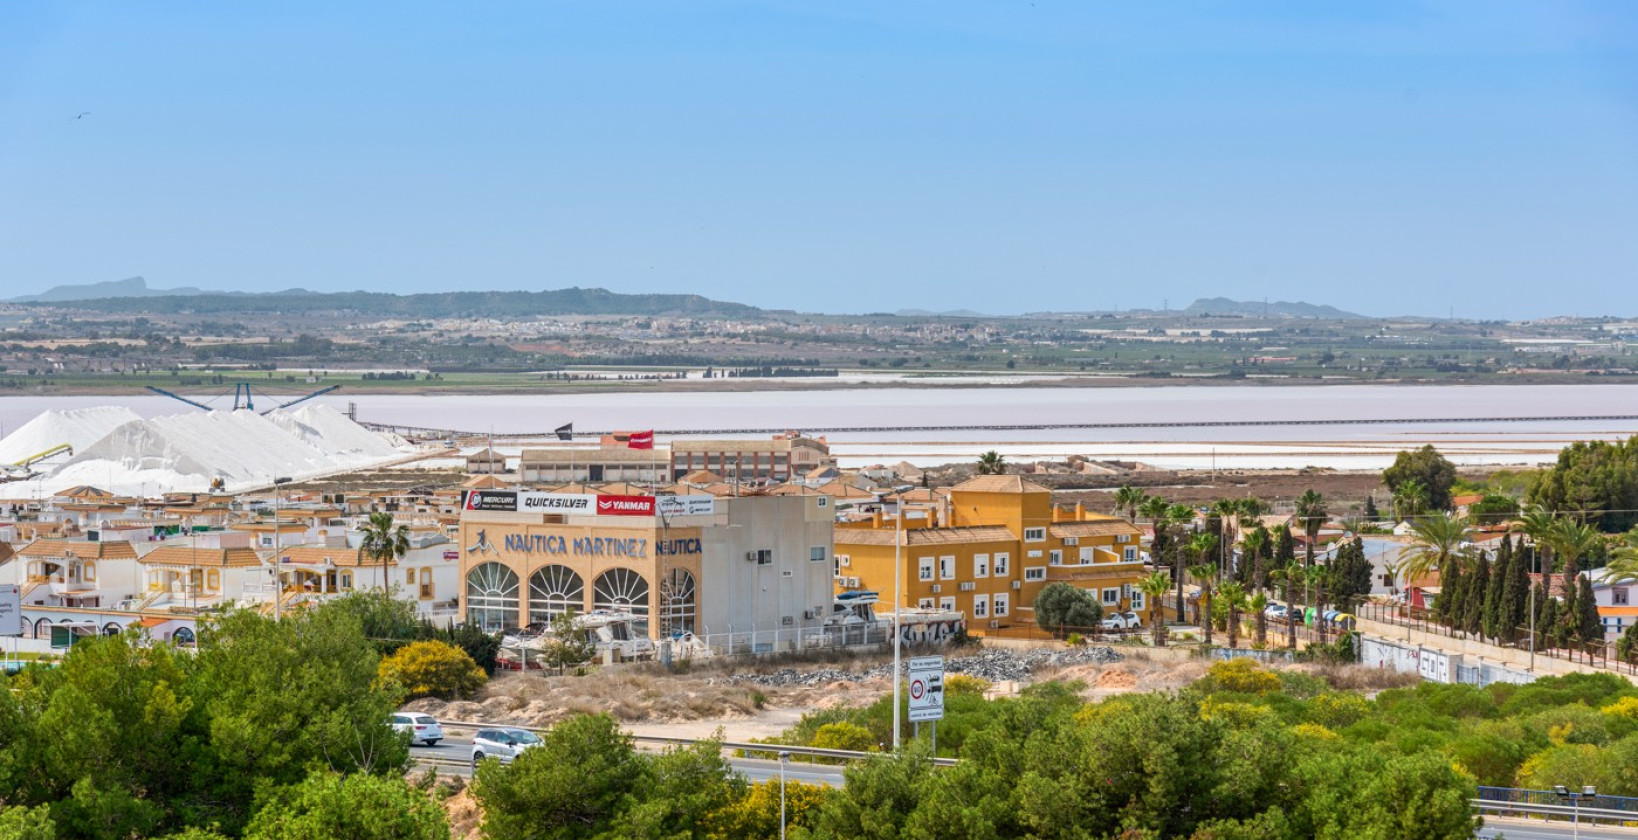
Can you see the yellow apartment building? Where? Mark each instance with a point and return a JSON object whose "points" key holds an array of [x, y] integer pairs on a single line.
{"points": [[986, 547]]}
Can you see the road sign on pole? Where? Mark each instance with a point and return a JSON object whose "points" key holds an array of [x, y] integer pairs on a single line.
{"points": [[11, 611], [926, 688]]}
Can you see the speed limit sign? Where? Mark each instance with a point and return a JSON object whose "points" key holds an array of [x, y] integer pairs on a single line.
{"points": [[927, 688]]}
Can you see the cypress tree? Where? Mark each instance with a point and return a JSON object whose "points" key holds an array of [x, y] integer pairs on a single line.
{"points": [[1477, 585], [1515, 596], [1371, 513], [1547, 623], [1567, 623], [1285, 548], [1260, 563], [1451, 590], [1495, 598], [1590, 626]]}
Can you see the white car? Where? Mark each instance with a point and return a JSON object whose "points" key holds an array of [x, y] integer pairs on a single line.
{"points": [[421, 728], [504, 743], [1123, 621]]}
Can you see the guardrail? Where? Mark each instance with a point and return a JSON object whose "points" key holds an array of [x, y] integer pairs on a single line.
{"points": [[1536, 809], [746, 747]]}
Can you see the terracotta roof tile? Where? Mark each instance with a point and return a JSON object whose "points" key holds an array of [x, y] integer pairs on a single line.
{"points": [[998, 484]]}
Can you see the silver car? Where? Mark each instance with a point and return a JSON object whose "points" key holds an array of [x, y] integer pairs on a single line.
{"points": [[504, 743]]}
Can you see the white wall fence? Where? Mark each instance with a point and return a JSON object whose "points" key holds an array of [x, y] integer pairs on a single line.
{"points": [[1435, 665]]}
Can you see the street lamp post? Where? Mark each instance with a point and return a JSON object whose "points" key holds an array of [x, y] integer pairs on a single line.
{"points": [[898, 609], [1586, 792], [278, 590], [784, 758]]}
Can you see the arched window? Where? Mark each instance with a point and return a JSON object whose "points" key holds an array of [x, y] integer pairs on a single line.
{"points": [[182, 636], [677, 603], [112, 629], [555, 589], [492, 597], [623, 590]]}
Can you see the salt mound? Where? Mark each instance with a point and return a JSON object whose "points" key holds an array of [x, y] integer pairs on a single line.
{"points": [[78, 428], [332, 431], [185, 452]]}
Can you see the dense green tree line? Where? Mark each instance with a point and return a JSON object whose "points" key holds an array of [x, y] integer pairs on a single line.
{"points": [[1595, 480], [129, 738], [1244, 753]]}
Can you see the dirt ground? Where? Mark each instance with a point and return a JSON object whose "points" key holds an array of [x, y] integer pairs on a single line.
{"points": [[652, 702]]}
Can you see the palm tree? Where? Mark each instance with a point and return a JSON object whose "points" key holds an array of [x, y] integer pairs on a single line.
{"points": [[1129, 498], [1154, 587], [992, 463], [1290, 578], [1318, 577], [1410, 498], [1623, 565], [1251, 551], [1178, 515], [1234, 597], [1571, 541], [1228, 515], [1538, 524], [1259, 603], [1311, 513], [383, 541], [1437, 538], [1154, 507], [1201, 572]]}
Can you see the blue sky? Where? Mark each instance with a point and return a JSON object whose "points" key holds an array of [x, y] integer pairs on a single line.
{"points": [[1385, 156]]}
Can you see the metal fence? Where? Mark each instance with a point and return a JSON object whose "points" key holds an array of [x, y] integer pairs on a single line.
{"points": [[1527, 796], [1596, 654]]}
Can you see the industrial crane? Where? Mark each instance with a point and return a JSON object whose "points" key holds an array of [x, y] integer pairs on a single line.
{"points": [[242, 398]]}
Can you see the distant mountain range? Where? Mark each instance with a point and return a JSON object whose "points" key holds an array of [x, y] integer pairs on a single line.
{"points": [[952, 313], [1283, 309], [130, 287], [133, 295]]}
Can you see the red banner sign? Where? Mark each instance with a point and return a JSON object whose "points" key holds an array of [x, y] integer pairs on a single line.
{"points": [[625, 505], [641, 440]]}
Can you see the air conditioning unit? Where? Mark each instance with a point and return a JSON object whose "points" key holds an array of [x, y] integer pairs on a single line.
{"points": [[937, 588], [1126, 590], [968, 586], [995, 625], [846, 560], [851, 581], [810, 614], [1017, 585]]}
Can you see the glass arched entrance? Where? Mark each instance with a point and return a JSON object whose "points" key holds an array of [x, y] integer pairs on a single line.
{"points": [[553, 590], [623, 590], [492, 597]]}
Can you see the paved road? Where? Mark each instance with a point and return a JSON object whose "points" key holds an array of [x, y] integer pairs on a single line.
{"points": [[1513, 829], [754, 769]]}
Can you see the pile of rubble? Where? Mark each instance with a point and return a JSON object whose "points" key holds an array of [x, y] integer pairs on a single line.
{"points": [[992, 665]]}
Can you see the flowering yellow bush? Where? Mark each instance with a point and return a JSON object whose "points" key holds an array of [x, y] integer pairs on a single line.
{"points": [[432, 669]]}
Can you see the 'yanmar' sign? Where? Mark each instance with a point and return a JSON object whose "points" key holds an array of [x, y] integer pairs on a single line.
{"points": [[625, 505]]}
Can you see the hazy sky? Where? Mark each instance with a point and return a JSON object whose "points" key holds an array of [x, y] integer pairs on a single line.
{"points": [[1384, 156]]}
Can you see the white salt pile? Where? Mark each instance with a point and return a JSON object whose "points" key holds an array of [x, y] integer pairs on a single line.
{"points": [[78, 428], [186, 452]]}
